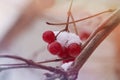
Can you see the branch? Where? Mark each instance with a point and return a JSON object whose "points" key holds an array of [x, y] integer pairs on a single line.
{"points": [[40, 62], [28, 63], [16, 67], [107, 27], [15, 57]]}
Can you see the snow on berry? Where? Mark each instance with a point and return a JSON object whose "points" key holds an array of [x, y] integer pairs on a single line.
{"points": [[62, 38], [63, 44], [66, 38], [73, 38], [71, 44]]}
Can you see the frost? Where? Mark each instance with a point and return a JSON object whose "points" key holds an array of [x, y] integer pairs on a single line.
{"points": [[63, 38], [66, 38], [56, 32], [73, 38], [65, 66]]}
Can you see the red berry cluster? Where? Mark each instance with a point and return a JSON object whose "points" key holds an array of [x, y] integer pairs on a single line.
{"points": [[69, 53]]}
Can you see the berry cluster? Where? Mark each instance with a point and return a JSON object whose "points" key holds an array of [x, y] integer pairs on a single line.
{"points": [[65, 45]]}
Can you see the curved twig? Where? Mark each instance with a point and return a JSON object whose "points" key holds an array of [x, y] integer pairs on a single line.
{"points": [[110, 10]]}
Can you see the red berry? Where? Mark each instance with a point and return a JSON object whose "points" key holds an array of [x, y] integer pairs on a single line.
{"points": [[74, 49], [84, 35], [48, 36], [63, 53], [55, 48]]}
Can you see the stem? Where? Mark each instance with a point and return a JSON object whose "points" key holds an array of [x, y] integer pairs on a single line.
{"points": [[16, 67], [30, 63], [74, 24], [14, 57], [41, 62], [69, 10], [110, 10], [66, 28], [68, 18]]}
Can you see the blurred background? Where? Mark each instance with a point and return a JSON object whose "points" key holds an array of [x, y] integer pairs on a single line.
{"points": [[22, 23]]}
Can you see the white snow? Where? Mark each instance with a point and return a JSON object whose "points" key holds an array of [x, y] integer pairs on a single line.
{"points": [[62, 38], [73, 38], [66, 38], [65, 66]]}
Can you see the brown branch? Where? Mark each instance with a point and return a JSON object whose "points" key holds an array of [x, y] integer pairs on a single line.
{"points": [[16, 67], [23, 64], [108, 26], [35, 66], [15, 57], [29, 64]]}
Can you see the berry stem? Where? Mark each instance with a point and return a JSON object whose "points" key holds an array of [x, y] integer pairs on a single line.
{"points": [[74, 24], [67, 25], [70, 6], [69, 14], [94, 15], [68, 17], [54, 60]]}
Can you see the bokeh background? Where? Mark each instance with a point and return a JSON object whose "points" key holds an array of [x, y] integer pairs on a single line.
{"points": [[22, 23]]}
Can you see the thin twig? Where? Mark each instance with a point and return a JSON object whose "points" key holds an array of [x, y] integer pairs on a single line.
{"points": [[32, 63], [15, 57], [68, 13], [92, 16], [17, 67], [68, 18], [41, 62], [74, 24]]}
